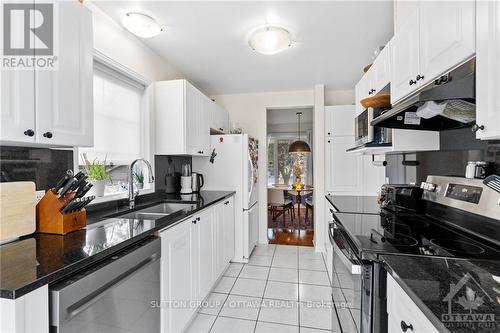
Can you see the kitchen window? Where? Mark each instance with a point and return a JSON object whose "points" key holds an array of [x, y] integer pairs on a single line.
{"points": [[120, 118]]}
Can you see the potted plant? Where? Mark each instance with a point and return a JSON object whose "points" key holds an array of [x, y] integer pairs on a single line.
{"points": [[96, 170], [139, 179]]}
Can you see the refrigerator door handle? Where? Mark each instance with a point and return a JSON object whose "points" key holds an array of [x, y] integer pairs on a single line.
{"points": [[251, 177]]}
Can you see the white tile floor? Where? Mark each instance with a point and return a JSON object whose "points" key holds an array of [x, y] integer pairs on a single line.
{"points": [[282, 289]]}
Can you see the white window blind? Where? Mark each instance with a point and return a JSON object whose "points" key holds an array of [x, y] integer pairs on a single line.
{"points": [[117, 117]]}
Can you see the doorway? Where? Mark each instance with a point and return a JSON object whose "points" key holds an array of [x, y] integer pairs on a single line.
{"points": [[290, 188]]}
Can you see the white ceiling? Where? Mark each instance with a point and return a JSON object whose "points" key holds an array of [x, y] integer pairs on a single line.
{"points": [[207, 41]]}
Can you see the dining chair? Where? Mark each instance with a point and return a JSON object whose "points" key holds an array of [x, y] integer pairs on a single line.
{"points": [[309, 203], [277, 204]]}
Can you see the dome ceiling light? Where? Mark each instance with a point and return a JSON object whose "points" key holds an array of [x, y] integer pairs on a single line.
{"points": [[142, 25], [270, 39], [299, 146]]}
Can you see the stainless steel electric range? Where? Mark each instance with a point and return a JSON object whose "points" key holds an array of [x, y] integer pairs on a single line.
{"points": [[459, 218]]}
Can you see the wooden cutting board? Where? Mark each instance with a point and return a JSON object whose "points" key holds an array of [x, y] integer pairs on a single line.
{"points": [[17, 209]]}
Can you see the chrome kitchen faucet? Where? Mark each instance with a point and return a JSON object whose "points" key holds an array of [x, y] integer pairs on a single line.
{"points": [[131, 193]]}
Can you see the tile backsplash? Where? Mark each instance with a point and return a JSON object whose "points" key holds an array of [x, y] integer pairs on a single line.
{"points": [[165, 164], [457, 148], [41, 165]]}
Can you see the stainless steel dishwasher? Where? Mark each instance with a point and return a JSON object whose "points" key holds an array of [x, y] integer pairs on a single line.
{"points": [[120, 293]]}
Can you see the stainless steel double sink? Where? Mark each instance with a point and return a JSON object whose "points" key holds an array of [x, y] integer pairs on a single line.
{"points": [[157, 211]]}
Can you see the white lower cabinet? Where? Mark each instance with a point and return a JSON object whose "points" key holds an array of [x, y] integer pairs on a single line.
{"points": [[403, 312], [194, 256], [28, 313]]}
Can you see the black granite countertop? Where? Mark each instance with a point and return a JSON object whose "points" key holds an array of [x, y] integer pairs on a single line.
{"points": [[40, 259], [354, 204], [470, 287]]}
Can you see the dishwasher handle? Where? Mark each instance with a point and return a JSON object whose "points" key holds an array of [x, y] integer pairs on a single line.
{"points": [[70, 297]]}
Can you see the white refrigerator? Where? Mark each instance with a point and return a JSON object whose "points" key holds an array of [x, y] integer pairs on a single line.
{"points": [[233, 167]]}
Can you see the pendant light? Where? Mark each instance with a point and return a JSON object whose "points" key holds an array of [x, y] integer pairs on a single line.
{"points": [[299, 146]]}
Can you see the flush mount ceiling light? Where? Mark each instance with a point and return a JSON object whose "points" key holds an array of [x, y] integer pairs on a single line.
{"points": [[299, 146], [142, 25], [270, 39]]}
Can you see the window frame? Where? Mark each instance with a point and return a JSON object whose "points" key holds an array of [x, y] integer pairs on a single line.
{"points": [[114, 68]]}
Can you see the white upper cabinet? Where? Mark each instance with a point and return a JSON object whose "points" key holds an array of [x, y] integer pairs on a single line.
{"points": [[18, 106], [197, 115], [405, 58], [382, 69], [447, 36], [435, 37], [344, 171], [182, 116], [219, 118], [488, 70], [64, 102], [54, 107], [339, 120]]}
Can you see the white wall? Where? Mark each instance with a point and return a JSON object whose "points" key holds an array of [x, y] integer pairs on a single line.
{"points": [[249, 111], [112, 40]]}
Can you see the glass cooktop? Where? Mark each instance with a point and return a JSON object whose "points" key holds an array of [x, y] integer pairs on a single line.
{"points": [[410, 234]]}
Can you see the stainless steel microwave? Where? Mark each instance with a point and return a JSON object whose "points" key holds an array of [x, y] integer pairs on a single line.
{"points": [[366, 133], [362, 127]]}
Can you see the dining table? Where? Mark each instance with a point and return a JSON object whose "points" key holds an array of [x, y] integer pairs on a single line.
{"points": [[297, 192]]}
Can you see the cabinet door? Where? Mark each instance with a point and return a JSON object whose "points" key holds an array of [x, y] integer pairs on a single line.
{"points": [[360, 92], [206, 252], [219, 233], [197, 121], [447, 36], [17, 106], [488, 69], [228, 230], [382, 69], [177, 274], [339, 120], [405, 59], [64, 102], [343, 170]]}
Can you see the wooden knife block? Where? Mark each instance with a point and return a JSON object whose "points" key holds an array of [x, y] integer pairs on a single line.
{"points": [[50, 220]]}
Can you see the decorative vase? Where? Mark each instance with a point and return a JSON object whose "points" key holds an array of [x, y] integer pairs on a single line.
{"points": [[99, 186]]}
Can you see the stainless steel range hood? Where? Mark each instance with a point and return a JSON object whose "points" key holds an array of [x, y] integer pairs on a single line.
{"points": [[458, 87]]}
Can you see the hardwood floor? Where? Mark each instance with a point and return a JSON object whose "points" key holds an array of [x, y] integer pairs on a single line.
{"points": [[285, 231], [290, 237]]}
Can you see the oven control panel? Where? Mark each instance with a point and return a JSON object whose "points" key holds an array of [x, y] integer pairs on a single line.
{"points": [[465, 193]]}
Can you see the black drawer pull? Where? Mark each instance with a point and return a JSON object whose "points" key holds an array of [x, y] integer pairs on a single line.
{"points": [[405, 327], [29, 132], [47, 135]]}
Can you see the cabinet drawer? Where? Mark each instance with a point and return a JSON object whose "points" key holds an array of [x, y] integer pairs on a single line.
{"points": [[400, 308]]}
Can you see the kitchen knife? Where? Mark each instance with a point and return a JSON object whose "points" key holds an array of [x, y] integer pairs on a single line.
{"points": [[70, 206], [79, 175], [67, 187], [77, 184], [83, 190], [62, 181], [89, 199]]}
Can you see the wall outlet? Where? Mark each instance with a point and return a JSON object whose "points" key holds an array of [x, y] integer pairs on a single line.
{"points": [[39, 195]]}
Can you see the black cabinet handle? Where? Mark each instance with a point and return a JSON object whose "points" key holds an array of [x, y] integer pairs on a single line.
{"points": [[420, 77], [328, 141], [47, 135], [477, 127], [197, 219], [200, 151], [29, 132], [226, 203], [193, 222], [221, 129], [405, 327], [328, 133], [412, 82]]}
